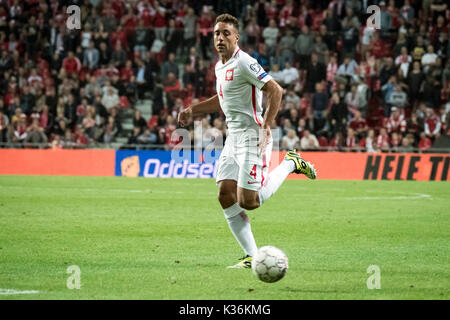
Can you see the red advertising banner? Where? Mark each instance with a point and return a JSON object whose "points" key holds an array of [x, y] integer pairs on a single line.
{"points": [[57, 162], [371, 166]]}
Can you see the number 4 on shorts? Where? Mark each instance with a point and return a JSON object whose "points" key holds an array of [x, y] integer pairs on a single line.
{"points": [[253, 172]]}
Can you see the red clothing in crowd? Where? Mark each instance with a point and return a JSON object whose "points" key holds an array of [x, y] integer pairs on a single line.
{"points": [[119, 8], [377, 48], [119, 36], [71, 65], [174, 87], [147, 16], [271, 12], [206, 24], [395, 124], [381, 139], [424, 143], [432, 125], [358, 124], [160, 20], [126, 74], [129, 24]]}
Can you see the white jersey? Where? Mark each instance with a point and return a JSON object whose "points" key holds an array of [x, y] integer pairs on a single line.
{"points": [[238, 85]]}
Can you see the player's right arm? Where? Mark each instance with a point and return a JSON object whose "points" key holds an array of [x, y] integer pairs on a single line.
{"points": [[208, 106]]}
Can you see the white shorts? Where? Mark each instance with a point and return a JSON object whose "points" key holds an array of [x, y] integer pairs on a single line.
{"points": [[239, 160]]}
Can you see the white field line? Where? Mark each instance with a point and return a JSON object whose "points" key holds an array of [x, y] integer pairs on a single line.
{"points": [[13, 291], [108, 190], [407, 196]]}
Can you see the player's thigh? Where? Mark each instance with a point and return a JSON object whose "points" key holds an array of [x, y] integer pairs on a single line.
{"points": [[253, 173], [227, 166], [253, 168]]}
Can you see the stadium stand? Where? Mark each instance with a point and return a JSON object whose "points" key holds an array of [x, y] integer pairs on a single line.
{"points": [[120, 81]]}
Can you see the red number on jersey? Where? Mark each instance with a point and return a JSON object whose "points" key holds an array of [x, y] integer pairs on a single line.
{"points": [[253, 172], [220, 91]]}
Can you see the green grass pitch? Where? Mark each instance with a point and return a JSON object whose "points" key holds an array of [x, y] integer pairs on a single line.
{"points": [[137, 238]]}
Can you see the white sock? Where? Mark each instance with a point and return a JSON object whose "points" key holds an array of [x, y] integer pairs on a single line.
{"points": [[275, 179], [241, 229]]}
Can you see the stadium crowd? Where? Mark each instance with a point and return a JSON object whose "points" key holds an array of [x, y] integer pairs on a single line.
{"points": [[348, 86]]}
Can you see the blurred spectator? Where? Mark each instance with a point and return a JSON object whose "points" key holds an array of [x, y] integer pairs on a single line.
{"points": [[309, 141], [110, 99], [91, 56], [370, 142], [351, 98], [170, 66], [147, 137], [276, 74], [429, 58], [346, 70], [290, 141], [319, 104], [315, 72], [133, 139], [189, 22], [337, 117], [425, 142], [139, 121], [321, 49], [350, 141], [252, 31], [350, 27], [383, 139], [385, 20], [432, 124], [270, 35], [4, 122], [205, 29], [332, 68], [403, 61], [289, 75], [359, 125], [396, 122], [71, 64], [406, 146], [286, 48], [303, 45]]}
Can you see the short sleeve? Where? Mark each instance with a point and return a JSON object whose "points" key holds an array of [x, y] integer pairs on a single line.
{"points": [[254, 73]]}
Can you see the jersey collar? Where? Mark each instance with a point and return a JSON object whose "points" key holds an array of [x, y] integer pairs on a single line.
{"points": [[236, 51]]}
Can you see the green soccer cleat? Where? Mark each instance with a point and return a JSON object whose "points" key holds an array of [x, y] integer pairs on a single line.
{"points": [[245, 263], [301, 166]]}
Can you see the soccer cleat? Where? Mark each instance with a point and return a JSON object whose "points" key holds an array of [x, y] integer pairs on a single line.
{"points": [[245, 263], [301, 166]]}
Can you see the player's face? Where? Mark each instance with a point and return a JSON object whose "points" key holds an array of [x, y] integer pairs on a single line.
{"points": [[225, 38]]}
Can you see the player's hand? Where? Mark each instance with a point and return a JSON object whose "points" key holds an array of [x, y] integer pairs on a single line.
{"points": [[264, 138], [185, 117]]}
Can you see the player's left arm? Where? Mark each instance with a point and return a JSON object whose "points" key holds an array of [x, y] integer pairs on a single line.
{"points": [[274, 93]]}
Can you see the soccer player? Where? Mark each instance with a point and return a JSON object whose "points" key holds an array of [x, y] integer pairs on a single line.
{"points": [[242, 170]]}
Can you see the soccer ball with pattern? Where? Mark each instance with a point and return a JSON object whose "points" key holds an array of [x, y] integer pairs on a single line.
{"points": [[269, 264]]}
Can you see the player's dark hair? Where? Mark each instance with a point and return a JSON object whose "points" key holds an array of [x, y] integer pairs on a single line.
{"points": [[228, 18]]}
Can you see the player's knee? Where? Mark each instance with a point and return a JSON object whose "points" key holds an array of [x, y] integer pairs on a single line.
{"points": [[226, 199], [248, 204]]}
